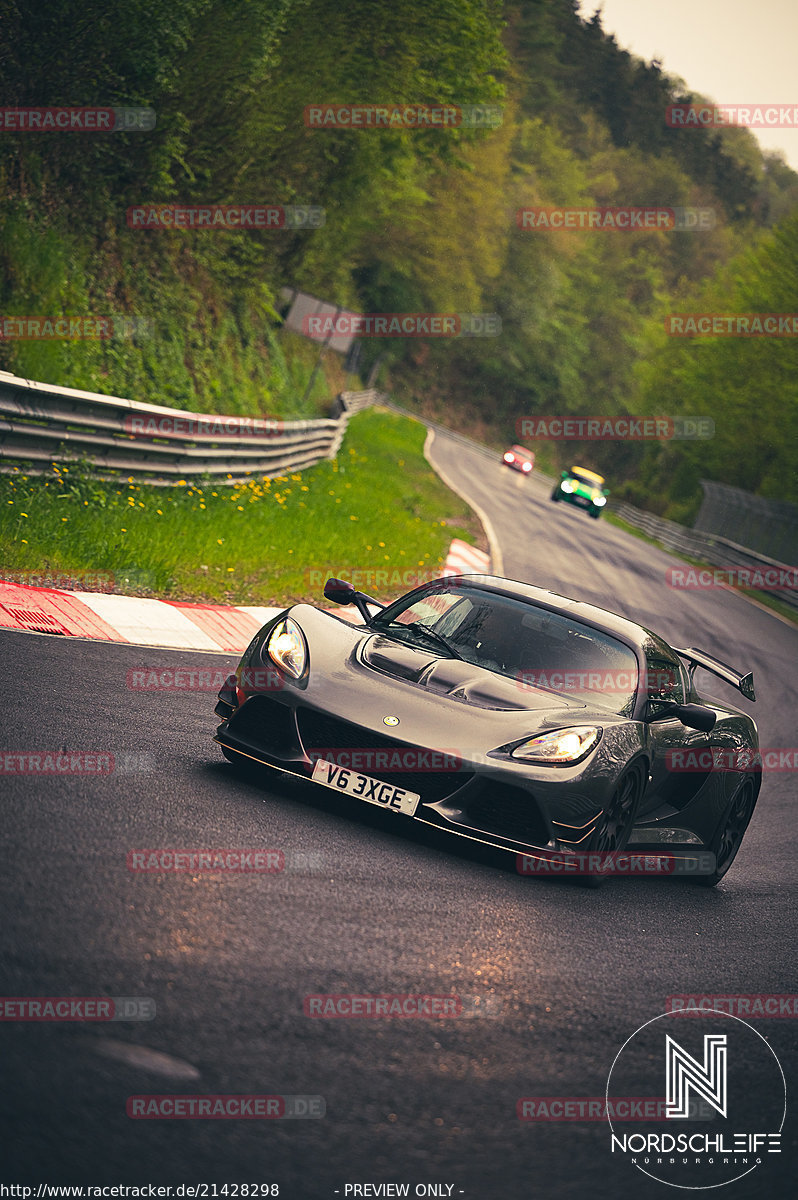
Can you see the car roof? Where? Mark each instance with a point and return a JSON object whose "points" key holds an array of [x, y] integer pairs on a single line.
{"points": [[591, 474], [600, 618], [522, 450]]}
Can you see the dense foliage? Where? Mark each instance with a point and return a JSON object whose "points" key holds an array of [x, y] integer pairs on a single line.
{"points": [[416, 220]]}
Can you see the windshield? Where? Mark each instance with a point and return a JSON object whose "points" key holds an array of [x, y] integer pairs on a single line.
{"points": [[536, 647]]}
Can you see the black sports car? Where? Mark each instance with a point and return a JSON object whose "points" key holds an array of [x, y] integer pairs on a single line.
{"points": [[506, 714]]}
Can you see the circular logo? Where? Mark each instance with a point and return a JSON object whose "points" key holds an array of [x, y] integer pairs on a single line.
{"points": [[696, 1099], [390, 720]]}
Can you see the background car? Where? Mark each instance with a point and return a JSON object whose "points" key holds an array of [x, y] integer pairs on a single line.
{"points": [[583, 488], [519, 458], [506, 714]]}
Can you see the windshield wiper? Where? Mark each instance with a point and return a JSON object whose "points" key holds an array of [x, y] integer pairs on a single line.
{"points": [[430, 633]]}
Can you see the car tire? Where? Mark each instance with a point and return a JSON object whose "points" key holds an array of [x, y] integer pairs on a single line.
{"points": [[730, 832], [615, 826], [595, 515], [555, 495]]}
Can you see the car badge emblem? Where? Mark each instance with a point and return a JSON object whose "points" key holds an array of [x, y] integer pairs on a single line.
{"points": [[390, 720]]}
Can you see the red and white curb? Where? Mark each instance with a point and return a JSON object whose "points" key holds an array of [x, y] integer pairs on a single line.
{"points": [[463, 559], [165, 623]]}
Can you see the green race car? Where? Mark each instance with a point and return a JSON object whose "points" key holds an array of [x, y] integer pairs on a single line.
{"points": [[583, 488]]}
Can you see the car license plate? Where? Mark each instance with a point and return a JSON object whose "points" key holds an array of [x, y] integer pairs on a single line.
{"points": [[374, 791]]}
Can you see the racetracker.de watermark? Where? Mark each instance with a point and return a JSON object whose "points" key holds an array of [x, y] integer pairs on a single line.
{"points": [[166, 860], [253, 1107], [615, 862], [213, 428], [324, 325], [628, 219], [55, 762], [398, 1006], [60, 763], [77, 120], [732, 325], [742, 759], [403, 116], [91, 581], [225, 216], [598, 1108], [603, 679], [77, 1008], [379, 579], [761, 579], [615, 429], [717, 116], [402, 758], [90, 327], [229, 861], [203, 679], [740, 1004]]}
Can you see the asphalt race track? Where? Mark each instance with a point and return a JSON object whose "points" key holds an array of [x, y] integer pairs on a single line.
{"points": [[564, 975]]}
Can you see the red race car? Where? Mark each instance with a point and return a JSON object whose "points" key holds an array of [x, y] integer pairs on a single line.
{"points": [[519, 458]]}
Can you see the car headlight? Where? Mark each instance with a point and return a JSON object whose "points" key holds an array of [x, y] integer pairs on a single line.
{"points": [[562, 748], [287, 648], [509, 457], [566, 486], [527, 466], [599, 501]]}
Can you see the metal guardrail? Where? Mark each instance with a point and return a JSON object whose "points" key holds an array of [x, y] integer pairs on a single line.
{"points": [[768, 524], [706, 547], [41, 424], [353, 402]]}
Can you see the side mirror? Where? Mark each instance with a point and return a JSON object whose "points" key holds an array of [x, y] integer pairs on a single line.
{"points": [[564, 474], [694, 716], [340, 591]]}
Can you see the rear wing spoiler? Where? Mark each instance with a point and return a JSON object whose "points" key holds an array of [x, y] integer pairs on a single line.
{"points": [[697, 658]]}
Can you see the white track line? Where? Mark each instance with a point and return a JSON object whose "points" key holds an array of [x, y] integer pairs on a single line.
{"points": [[497, 562]]}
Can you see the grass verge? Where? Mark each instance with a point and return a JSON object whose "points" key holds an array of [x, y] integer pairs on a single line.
{"points": [[376, 514]]}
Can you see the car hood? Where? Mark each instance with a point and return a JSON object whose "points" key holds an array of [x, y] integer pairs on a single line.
{"points": [[412, 696], [362, 676], [451, 677]]}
